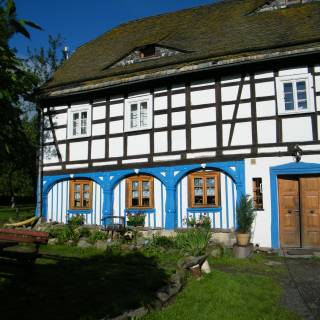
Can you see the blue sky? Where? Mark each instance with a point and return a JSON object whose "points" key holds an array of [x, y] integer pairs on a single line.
{"points": [[80, 21]]}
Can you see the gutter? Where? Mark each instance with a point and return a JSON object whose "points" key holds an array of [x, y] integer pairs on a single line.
{"points": [[205, 66]]}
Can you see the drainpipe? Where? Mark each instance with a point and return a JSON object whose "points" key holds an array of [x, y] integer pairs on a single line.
{"points": [[40, 159]]}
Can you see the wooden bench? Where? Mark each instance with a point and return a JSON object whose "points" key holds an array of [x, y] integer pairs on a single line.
{"points": [[11, 240]]}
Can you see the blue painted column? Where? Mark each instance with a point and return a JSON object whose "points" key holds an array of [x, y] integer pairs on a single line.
{"points": [[107, 202], [171, 207]]}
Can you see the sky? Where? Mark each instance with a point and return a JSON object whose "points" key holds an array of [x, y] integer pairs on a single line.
{"points": [[80, 21]]}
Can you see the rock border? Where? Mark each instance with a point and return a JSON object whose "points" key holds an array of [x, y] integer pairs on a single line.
{"points": [[166, 293]]}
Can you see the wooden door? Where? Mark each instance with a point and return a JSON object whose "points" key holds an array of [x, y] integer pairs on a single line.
{"points": [[310, 213], [289, 211]]}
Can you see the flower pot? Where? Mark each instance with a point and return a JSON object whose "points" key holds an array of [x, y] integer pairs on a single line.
{"points": [[243, 239]]}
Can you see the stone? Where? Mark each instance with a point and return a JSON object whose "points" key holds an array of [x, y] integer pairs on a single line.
{"points": [[53, 241], [128, 235], [70, 243], [102, 244], [140, 241], [83, 243], [215, 251], [162, 295], [205, 268], [137, 313], [242, 252], [273, 263], [188, 262]]}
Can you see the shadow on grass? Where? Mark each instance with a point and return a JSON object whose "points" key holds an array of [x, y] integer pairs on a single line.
{"points": [[78, 288]]}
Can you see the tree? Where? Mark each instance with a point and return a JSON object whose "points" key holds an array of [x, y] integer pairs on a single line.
{"points": [[16, 83]]}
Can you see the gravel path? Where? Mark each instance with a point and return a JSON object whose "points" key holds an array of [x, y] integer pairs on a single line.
{"points": [[302, 287]]}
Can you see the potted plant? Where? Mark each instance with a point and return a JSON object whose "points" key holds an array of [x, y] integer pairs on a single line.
{"points": [[245, 217]]}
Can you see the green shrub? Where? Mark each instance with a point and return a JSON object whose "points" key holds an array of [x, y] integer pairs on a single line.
{"points": [[76, 220], [64, 233], [136, 219], [162, 241], [193, 241], [245, 214], [203, 221], [97, 235], [84, 232]]}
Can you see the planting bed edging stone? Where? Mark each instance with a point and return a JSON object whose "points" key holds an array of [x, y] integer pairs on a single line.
{"points": [[167, 292]]}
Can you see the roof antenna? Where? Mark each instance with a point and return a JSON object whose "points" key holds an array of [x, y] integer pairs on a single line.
{"points": [[65, 53]]}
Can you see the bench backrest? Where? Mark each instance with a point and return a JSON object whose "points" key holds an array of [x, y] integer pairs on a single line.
{"points": [[26, 236]]}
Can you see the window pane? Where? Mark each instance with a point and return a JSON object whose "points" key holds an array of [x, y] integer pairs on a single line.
{"points": [[302, 95], [287, 87], [198, 182], [77, 199], [143, 114], [198, 200], [210, 182], [133, 115], [302, 104], [75, 123], [135, 185], [77, 187], [211, 200], [145, 202], [84, 122], [86, 187], [198, 191], [301, 86], [145, 185], [135, 202]]}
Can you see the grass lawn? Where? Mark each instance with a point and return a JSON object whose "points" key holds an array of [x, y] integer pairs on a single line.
{"points": [[236, 289], [72, 283], [8, 214]]}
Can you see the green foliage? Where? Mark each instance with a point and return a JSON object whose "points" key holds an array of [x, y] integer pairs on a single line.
{"points": [[193, 241], [136, 220], [245, 214], [203, 221], [162, 241], [97, 235], [84, 232], [76, 220], [64, 233]]}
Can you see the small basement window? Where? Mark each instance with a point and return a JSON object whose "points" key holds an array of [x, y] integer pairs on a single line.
{"points": [[257, 193], [295, 94]]}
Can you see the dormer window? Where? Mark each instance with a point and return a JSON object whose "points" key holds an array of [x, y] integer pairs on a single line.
{"points": [[147, 51]]}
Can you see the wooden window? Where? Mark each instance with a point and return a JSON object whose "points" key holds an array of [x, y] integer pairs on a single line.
{"points": [[203, 189], [79, 122], [295, 94], [257, 193], [148, 51], [139, 192], [80, 194], [138, 113]]}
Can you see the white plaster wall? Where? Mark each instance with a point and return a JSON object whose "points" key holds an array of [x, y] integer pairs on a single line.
{"points": [[59, 119], [160, 103], [293, 71], [242, 134], [266, 108], [297, 129], [160, 141], [61, 134], [116, 147], [244, 110], [79, 150], [98, 129], [178, 140], [116, 126], [138, 144], [202, 97], [267, 131], [160, 121], [98, 113], [50, 154], [116, 110], [98, 149], [178, 118], [264, 89], [178, 100], [202, 83], [203, 115], [227, 111], [203, 137]]}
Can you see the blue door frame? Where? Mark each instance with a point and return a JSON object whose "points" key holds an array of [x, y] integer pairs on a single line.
{"points": [[294, 168]]}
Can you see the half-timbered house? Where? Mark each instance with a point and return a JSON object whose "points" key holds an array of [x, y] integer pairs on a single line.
{"points": [[178, 115]]}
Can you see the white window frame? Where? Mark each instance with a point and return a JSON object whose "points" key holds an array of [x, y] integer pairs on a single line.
{"points": [[138, 100], [309, 93], [71, 112]]}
